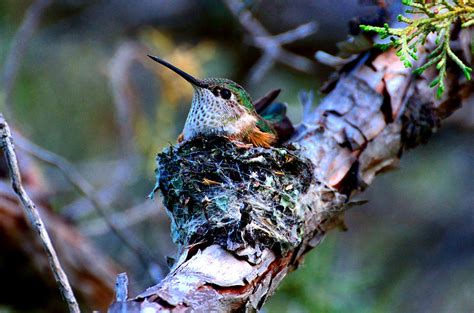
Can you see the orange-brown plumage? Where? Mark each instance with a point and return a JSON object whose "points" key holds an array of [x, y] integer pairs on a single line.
{"points": [[259, 138]]}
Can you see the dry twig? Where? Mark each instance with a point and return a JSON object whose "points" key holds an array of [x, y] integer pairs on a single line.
{"points": [[106, 195], [88, 191], [12, 64], [34, 217], [19, 46], [271, 46], [123, 92], [132, 216]]}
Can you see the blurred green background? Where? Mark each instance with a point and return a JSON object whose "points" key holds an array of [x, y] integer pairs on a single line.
{"points": [[410, 249]]}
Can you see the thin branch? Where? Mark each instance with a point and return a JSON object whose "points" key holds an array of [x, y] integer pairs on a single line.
{"points": [[87, 191], [106, 195], [34, 217], [18, 49], [123, 93], [135, 215], [271, 46], [251, 25], [298, 33], [295, 61], [260, 68]]}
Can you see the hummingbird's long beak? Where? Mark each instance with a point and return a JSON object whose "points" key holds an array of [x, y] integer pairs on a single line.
{"points": [[196, 82]]}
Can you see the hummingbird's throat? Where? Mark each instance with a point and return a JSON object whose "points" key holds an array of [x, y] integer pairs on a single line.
{"points": [[211, 115]]}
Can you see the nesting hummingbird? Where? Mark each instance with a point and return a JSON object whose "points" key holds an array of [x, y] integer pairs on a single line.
{"points": [[222, 107]]}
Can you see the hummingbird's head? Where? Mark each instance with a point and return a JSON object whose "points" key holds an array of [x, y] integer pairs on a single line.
{"points": [[214, 92]]}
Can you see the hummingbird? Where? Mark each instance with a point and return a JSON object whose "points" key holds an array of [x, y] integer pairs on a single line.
{"points": [[223, 107]]}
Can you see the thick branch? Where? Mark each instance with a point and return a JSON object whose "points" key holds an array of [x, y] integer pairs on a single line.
{"points": [[373, 113]]}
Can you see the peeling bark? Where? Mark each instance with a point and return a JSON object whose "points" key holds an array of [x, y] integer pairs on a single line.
{"points": [[374, 112]]}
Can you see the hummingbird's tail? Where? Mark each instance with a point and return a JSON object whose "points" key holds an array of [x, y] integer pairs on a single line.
{"points": [[275, 114]]}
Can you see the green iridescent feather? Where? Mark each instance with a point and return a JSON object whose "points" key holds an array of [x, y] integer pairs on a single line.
{"points": [[264, 122]]}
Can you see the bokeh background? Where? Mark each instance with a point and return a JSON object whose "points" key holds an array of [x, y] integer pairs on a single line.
{"points": [[86, 91]]}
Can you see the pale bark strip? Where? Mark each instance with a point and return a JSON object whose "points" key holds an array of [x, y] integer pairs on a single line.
{"points": [[34, 217], [374, 112]]}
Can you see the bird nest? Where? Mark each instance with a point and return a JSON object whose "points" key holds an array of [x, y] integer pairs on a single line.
{"points": [[241, 197]]}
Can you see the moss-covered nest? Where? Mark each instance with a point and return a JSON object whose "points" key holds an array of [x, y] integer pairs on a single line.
{"points": [[235, 195]]}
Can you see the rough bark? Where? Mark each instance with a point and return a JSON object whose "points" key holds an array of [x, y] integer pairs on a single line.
{"points": [[374, 111]]}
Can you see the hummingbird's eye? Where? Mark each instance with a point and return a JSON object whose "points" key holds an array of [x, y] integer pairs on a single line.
{"points": [[226, 94]]}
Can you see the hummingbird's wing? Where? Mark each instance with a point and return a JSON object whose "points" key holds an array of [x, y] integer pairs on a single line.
{"points": [[274, 115], [266, 100]]}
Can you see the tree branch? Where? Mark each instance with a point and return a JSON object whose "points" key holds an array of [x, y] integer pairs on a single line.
{"points": [[88, 191], [34, 217], [234, 252], [271, 46], [125, 100], [19, 46]]}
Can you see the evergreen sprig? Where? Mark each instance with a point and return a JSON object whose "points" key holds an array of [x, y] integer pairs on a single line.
{"points": [[433, 16]]}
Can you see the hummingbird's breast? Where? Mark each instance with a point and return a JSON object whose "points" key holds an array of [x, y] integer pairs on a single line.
{"points": [[210, 115]]}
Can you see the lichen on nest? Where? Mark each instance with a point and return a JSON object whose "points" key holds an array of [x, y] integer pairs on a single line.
{"points": [[234, 195]]}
